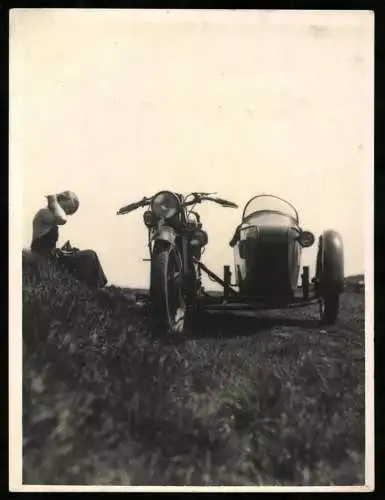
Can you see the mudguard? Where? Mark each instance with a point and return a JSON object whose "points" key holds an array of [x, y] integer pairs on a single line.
{"points": [[165, 233], [332, 252]]}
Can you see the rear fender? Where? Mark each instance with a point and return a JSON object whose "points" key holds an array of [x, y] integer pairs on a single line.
{"points": [[332, 262]]}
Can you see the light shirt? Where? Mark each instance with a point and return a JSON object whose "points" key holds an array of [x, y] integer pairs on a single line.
{"points": [[47, 218]]}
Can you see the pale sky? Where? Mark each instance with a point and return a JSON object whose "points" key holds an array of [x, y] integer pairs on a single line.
{"points": [[117, 105]]}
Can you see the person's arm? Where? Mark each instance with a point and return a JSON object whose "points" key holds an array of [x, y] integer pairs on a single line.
{"points": [[56, 209]]}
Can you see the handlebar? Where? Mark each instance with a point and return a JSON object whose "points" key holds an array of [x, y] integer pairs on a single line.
{"points": [[133, 206], [198, 198], [202, 194], [221, 201]]}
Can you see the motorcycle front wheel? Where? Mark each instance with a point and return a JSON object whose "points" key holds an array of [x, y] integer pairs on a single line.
{"points": [[167, 301]]}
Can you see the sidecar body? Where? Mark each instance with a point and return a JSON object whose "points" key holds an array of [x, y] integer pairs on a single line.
{"points": [[268, 246], [267, 249]]}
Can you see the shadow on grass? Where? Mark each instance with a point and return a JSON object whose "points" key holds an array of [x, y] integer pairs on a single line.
{"points": [[228, 325]]}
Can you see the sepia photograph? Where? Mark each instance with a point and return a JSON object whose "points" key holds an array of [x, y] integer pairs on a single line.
{"points": [[191, 250]]}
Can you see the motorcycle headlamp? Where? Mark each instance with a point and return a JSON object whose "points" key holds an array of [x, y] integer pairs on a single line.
{"points": [[306, 239], [199, 238], [165, 205]]}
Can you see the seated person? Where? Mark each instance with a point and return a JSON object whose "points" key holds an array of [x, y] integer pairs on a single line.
{"points": [[85, 264]]}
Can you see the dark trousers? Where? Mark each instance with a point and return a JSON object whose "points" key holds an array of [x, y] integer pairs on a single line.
{"points": [[85, 266]]}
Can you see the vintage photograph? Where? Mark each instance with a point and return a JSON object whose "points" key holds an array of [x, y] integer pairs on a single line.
{"points": [[192, 237]]}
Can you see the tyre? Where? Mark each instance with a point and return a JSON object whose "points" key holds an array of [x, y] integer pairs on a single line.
{"points": [[168, 305], [330, 275], [329, 307]]}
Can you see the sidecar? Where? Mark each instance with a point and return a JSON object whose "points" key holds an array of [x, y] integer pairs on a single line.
{"points": [[268, 246]]}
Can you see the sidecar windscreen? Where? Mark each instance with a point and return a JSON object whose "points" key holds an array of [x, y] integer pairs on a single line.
{"points": [[267, 206]]}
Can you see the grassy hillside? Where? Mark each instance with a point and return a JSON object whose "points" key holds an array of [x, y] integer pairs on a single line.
{"points": [[276, 400], [355, 283], [354, 278]]}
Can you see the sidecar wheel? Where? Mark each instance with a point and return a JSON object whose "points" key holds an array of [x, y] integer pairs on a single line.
{"points": [[168, 304], [330, 275], [329, 308]]}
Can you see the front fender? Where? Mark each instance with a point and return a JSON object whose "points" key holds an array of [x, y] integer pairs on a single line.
{"points": [[164, 233]]}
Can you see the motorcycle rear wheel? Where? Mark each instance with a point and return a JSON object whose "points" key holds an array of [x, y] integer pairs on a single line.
{"points": [[168, 304]]}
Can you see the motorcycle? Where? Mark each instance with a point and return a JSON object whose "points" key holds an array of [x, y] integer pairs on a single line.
{"points": [[176, 241]]}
